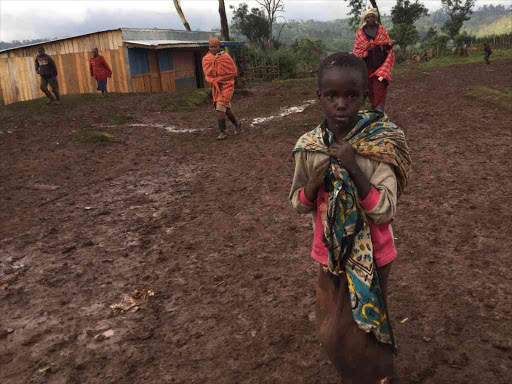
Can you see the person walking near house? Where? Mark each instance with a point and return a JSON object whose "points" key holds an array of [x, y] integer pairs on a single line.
{"points": [[220, 71], [100, 70], [373, 45], [487, 53], [46, 68]]}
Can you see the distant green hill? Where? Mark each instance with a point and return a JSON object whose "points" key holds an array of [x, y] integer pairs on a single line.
{"points": [[338, 36], [18, 43], [499, 27]]}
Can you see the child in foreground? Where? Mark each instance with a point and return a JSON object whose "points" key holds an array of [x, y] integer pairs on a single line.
{"points": [[349, 172]]}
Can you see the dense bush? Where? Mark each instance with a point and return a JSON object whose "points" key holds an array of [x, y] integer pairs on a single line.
{"points": [[299, 59]]}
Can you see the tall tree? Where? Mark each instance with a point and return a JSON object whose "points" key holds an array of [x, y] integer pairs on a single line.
{"points": [[253, 25], [431, 34], [404, 34], [182, 16], [459, 12], [223, 20], [404, 14], [271, 8], [407, 12]]}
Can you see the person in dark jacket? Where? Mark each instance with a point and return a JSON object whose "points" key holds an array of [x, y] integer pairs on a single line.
{"points": [[46, 68], [487, 53]]}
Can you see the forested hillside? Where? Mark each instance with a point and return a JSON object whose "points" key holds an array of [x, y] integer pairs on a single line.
{"points": [[18, 43], [337, 34]]}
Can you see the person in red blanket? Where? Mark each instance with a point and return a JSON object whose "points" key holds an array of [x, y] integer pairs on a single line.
{"points": [[100, 71], [220, 71], [375, 47]]}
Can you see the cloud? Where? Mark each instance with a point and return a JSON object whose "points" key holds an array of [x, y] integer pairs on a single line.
{"points": [[30, 25], [36, 23], [47, 19]]}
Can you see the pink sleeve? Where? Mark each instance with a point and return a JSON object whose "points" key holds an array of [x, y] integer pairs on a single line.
{"points": [[383, 261], [304, 200], [371, 200]]}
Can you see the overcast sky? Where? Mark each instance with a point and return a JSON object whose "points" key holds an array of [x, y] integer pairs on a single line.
{"points": [[20, 19]]}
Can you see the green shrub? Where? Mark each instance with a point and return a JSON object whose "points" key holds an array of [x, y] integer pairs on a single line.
{"points": [[183, 100]]}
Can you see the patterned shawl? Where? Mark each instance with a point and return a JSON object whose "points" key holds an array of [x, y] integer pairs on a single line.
{"points": [[346, 232], [220, 65], [362, 45]]}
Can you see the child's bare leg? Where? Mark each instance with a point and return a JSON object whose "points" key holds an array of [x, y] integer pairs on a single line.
{"points": [[383, 279]]}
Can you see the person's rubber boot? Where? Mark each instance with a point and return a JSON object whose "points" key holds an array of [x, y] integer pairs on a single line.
{"points": [[238, 127], [222, 129], [57, 101]]}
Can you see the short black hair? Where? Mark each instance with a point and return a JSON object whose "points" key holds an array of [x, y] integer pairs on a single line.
{"points": [[340, 60]]}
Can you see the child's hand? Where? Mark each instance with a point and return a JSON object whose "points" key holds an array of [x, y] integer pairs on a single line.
{"points": [[345, 154], [316, 180]]}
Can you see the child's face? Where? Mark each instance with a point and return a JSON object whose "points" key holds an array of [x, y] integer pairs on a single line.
{"points": [[342, 94]]}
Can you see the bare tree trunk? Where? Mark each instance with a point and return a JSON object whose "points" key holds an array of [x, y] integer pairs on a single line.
{"points": [[270, 33], [180, 12], [223, 21]]}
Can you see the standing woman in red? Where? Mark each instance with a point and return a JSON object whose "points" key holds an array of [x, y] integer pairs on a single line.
{"points": [[373, 45], [100, 71]]}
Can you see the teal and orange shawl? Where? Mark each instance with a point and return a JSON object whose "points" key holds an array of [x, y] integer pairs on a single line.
{"points": [[347, 233]]}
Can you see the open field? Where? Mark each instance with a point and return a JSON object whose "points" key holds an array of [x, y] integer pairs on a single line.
{"points": [[100, 198]]}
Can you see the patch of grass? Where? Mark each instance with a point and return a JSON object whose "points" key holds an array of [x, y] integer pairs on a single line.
{"points": [[403, 76], [297, 124], [96, 137], [69, 103], [121, 119], [302, 84], [183, 100], [444, 61], [243, 92], [501, 98]]}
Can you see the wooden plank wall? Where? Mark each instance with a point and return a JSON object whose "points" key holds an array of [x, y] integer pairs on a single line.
{"points": [[142, 83], [20, 82], [168, 81], [184, 67], [154, 68]]}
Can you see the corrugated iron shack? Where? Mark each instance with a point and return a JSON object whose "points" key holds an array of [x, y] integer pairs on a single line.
{"points": [[142, 60]]}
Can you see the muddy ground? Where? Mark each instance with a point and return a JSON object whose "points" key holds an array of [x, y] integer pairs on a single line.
{"points": [[203, 230]]}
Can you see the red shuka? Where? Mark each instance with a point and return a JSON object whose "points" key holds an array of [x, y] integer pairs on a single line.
{"points": [[99, 68], [216, 67], [362, 45]]}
